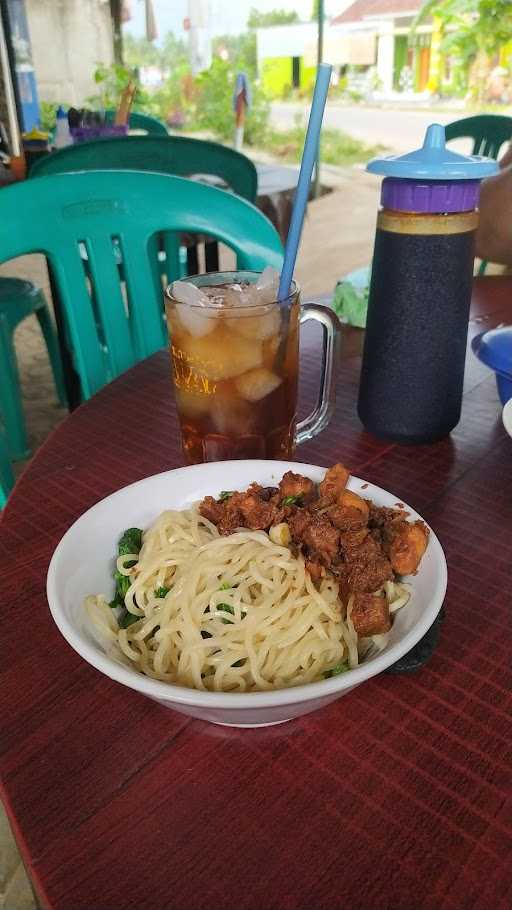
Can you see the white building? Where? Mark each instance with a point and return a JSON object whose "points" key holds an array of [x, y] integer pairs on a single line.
{"points": [[365, 34], [68, 41]]}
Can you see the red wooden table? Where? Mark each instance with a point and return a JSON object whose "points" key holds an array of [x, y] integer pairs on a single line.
{"points": [[397, 797]]}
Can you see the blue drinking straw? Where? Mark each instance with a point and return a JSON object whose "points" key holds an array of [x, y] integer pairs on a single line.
{"points": [[323, 78]]}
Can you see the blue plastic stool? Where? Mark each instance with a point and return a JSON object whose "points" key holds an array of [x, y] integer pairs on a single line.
{"points": [[19, 299]]}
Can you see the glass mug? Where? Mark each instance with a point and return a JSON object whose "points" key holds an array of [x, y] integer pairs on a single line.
{"points": [[235, 373]]}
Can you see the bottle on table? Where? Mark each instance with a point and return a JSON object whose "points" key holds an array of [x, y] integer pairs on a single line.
{"points": [[418, 308], [63, 136]]}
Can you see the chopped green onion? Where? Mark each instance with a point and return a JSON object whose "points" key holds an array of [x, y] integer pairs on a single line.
{"points": [[225, 494], [292, 500], [162, 592], [123, 582], [130, 542], [337, 669], [128, 619], [227, 609], [225, 586]]}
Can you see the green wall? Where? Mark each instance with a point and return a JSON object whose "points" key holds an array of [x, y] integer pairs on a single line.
{"points": [[277, 76]]}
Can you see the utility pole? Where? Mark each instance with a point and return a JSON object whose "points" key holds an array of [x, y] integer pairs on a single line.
{"points": [[319, 60], [115, 15]]}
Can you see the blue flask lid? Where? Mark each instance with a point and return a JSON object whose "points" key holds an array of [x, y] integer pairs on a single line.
{"points": [[434, 162]]}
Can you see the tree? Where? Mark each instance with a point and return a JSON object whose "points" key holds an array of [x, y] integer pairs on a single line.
{"points": [[141, 52], [474, 30], [274, 17], [240, 50]]}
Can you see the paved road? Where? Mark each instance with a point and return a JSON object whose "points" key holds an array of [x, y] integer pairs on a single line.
{"points": [[399, 130]]}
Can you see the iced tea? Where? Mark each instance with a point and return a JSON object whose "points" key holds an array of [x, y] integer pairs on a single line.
{"points": [[235, 364]]}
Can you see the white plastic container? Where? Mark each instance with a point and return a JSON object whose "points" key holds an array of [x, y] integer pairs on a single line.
{"points": [[62, 134]]}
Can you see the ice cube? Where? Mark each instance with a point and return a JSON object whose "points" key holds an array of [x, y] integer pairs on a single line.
{"points": [[251, 296], [186, 292], [268, 284], [270, 349], [257, 384], [261, 326], [222, 354], [231, 415], [192, 404], [196, 322], [190, 309], [233, 295]]}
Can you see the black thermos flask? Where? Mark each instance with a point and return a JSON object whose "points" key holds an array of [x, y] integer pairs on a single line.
{"points": [[420, 292]]}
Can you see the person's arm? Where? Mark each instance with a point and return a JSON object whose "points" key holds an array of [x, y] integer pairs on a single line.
{"points": [[494, 233], [506, 160]]}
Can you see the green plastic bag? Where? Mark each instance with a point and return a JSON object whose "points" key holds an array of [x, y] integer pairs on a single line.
{"points": [[350, 300]]}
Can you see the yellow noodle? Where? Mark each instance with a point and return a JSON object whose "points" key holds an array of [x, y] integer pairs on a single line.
{"points": [[282, 629]]}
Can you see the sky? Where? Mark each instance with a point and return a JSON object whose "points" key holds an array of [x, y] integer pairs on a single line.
{"points": [[227, 16]]}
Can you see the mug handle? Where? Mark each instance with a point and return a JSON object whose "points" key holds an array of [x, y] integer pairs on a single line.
{"points": [[319, 418]]}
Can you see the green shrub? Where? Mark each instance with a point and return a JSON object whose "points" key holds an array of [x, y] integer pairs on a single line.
{"points": [[48, 114], [337, 147], [214, 105]]}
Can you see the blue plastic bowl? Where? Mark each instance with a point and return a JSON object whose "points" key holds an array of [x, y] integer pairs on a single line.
{"points": [[504, 384], [494, 348]]}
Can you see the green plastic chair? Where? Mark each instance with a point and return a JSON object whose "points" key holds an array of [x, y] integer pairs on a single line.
{"points": [[6, 475], [111, 324], [19, 299], [488, 132], [150, 125], [176, 155]]}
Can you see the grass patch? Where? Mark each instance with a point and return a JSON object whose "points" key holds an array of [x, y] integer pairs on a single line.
{"points": [[337, 147]]}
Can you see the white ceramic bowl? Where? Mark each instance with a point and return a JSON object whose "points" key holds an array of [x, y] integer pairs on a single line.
{"points": [[83, 563], [507, 417]]}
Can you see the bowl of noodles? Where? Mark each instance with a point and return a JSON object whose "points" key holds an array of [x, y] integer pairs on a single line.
{"points": [[246, 608]]}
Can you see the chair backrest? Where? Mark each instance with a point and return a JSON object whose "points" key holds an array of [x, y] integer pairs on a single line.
{"points": [[6, 475], [112, 323], [488, 132], [176, 155], [150, 125]]}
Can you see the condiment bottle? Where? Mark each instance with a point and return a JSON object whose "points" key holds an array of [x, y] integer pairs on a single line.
{"points": [[63, 136], [420, 291]]}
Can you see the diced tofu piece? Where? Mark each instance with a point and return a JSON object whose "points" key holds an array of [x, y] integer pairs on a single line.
{"points": [[222, 354], [408, 542], [257, 384], [370, 614]]}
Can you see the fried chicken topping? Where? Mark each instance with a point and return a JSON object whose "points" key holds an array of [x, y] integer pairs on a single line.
{"points": [[336, 530]]}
